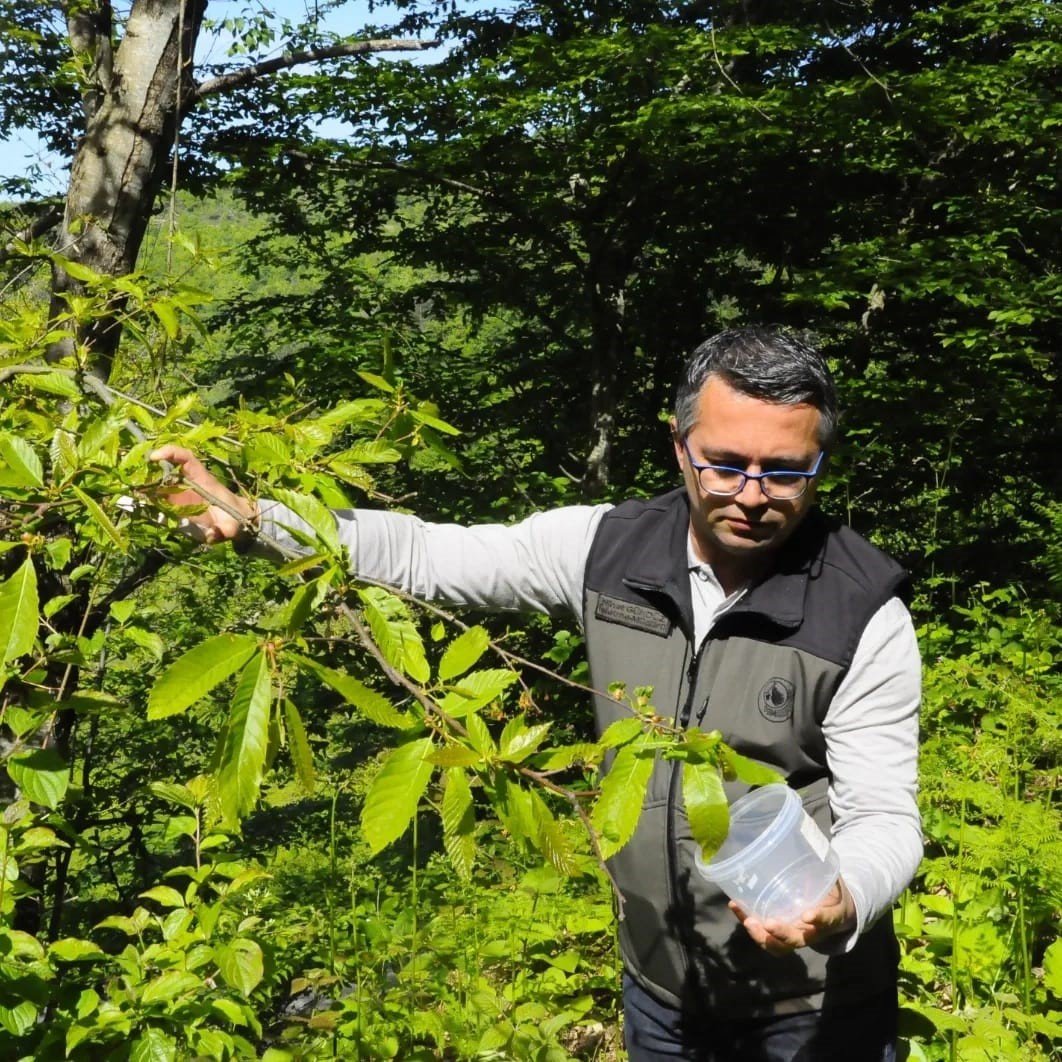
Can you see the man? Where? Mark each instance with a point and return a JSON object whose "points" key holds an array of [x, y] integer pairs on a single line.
{"points": [[749, 612]]}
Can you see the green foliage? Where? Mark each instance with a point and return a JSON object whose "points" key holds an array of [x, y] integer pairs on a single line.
{"points": [[979, 924]]}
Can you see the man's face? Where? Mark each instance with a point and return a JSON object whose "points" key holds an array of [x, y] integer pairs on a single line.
{"points": [[740, 532]]}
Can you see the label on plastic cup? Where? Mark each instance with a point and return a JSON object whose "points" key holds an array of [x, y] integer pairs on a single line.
{"points": [[817, 840]]}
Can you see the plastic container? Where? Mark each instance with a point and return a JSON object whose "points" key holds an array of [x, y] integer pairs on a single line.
{"points": [[775, 861]]}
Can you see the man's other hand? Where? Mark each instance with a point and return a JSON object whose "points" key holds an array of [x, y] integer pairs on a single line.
{"points": [[214, 524], [836, 914]]}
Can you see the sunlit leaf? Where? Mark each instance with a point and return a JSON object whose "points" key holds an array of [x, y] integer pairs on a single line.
{"points": [[459, 822], [241, 964], [101, 518], [243, 750], [23, 466], [313, 512], [619, 803], [706, 805], [395, 792], [518, 740], [198, 671], [19, 612], [463, 652], [41, 774], [749, 771], [299, 747], [395, 633], [374, 706]]}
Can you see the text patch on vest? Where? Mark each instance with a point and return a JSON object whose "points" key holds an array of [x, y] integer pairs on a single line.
{"points": [[628, 614]]}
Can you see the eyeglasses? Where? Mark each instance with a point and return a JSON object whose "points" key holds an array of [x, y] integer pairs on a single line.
{"points": [[724, 481]]}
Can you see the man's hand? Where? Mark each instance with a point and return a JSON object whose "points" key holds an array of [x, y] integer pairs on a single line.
{"points": [[836, 914], [214, 524]]}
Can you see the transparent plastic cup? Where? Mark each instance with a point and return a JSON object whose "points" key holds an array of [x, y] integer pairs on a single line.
{"points": [[775, 861]]}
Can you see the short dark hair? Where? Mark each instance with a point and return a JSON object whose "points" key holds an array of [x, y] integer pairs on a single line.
{"points": [[763, 363]]}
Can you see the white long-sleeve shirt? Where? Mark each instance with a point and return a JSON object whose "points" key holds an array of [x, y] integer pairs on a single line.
{"points": [[537, 565]]}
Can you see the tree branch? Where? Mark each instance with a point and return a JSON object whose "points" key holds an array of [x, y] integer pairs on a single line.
{"points": [[240, 78], [44, 222]]}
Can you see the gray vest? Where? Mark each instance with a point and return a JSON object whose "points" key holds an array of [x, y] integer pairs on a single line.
{"points": [[764, 677]]}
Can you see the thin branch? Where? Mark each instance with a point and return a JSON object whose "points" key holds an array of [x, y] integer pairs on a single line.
{"points": [[859, 62], [240, 78], [41, 224]]}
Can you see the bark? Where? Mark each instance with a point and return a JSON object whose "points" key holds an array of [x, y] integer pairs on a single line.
{"points": [[135, 98], [130, 120]]}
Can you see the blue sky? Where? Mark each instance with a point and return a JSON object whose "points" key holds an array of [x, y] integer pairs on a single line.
{"points": [[19, 152]]}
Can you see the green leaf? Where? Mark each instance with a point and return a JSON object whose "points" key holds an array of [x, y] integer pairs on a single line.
{"points": [[561, 758], [518, 740], [1053, 968], [173, 793], [122, 610], [749, 771], [167, 316], [71, 949], [21, 460], [371, 451], [52, 383], [374, 706], [240, 963], [19, 1019], [480, 737], [434, 422], [101, 518], [313, 512], [706, 805], [456, 756], [619, 803], [169, 986], [164, 895], [549, 836], [620, 732], [41, 774], [463, 652], [19, 612], [395, 792], [299, 746], [78, 271], [459, 823], [513, 806], [376, 381], [395, 633], [196, 673], [476, 690], [146, 639], [243, 749]]}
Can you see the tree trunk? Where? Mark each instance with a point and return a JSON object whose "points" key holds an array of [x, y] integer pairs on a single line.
{"points": [[131, 116]]}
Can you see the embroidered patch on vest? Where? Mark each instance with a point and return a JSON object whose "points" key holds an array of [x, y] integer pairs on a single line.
{"points": [[628, 614], [776, 700]]}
